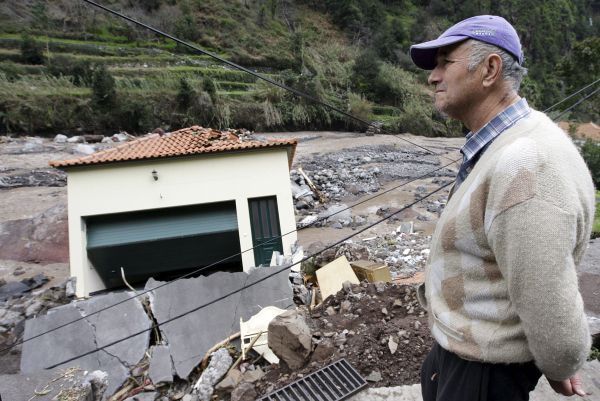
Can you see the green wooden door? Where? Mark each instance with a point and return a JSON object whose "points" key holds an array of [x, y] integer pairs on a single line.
{"points": [[266, 234]]}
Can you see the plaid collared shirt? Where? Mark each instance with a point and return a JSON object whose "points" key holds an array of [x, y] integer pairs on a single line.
{"points": [[478, 142]]}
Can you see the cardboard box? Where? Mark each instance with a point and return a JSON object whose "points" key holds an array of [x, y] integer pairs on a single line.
{"points": [[371, 271]]}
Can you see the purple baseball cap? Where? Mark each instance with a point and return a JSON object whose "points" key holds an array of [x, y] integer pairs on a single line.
{"points": [[485, 28]]}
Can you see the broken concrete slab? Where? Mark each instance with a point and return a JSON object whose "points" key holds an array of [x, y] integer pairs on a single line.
{"points": [[191, 336], [72, 384], [88, 335], [333, 275], [290, 338], [161, 366]]}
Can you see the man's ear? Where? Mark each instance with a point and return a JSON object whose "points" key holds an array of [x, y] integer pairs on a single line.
{"points": [[492, 70]]}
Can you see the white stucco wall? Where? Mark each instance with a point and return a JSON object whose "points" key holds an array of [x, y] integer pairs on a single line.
{"points": [[126, 187]]}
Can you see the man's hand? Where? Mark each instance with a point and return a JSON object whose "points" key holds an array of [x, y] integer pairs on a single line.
{"points": [[568, 387]]}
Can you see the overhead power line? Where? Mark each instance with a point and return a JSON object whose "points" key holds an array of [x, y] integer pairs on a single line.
{"points": [[589, 95], [571, 95]]}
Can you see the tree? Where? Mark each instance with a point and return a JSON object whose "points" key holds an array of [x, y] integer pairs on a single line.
{"points": [[365, 72], [591, 154], [104, 93], [31, 50], [185, 95]]}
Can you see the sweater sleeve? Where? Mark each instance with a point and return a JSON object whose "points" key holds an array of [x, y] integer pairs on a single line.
{"points": [[533, 242]]}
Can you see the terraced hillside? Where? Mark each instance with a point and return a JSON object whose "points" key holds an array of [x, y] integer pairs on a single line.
{"points": [[93, 79]]}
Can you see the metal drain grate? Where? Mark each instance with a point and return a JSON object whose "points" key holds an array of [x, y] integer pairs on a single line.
{"points": [[336, 381]]}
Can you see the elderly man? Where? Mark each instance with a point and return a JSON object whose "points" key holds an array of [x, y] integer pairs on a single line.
{"points": [[501, 286]]}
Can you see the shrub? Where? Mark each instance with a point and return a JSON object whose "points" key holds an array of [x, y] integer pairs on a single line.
{"points": [[104, 94], [185, 95], [591, 154], [31, 51], [359, 107], [81, 70], [134, 115]]}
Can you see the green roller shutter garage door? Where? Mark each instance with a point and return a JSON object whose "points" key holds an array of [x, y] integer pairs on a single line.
{"points": [[163, 243]]}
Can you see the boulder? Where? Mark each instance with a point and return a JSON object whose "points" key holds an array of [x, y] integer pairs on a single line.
{"points": [[290, 338], [60, 138], [84, 149], [89, 138]]}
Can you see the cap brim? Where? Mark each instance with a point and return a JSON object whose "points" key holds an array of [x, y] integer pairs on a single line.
{"points": [[423, 54]]}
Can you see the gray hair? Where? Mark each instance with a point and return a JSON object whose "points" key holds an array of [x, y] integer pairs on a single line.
{"points": [[512, 71]]}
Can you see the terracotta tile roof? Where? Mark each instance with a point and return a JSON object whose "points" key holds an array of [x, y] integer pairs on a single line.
{"points": [[185, 142]]}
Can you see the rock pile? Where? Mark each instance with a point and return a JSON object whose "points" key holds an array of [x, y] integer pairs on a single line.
{"points": [[358, 171], [379, 328]]}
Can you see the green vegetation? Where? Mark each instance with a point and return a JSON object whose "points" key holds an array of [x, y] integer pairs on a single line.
{"points": [[591, 154], [79, 68]]}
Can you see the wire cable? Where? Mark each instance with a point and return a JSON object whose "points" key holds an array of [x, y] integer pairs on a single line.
{"points": [[278, 271], [571, 95], [583, 99], [199, 270]]}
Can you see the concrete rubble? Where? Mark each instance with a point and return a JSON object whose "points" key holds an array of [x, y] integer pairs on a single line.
{"points": [[87, 335], [220, 362], [186, 345]]}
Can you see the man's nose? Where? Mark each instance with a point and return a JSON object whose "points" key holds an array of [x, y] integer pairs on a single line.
{"points": [[434, 77]]}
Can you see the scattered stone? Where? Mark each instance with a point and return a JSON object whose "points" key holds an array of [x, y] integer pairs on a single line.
{"points": [[244, 392], [13, 289], [75, 139], [254, 375], [231, 380], [345, 306], [89, 138], [122, 137], [290, 338], [393, 345], [60, 138], [84, 149], [374, 376]]}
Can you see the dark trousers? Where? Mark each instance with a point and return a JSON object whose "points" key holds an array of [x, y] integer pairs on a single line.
{"points": [[446, 377]]}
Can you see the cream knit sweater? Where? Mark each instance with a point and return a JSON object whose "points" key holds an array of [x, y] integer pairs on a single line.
{"points": [[501, 284]]}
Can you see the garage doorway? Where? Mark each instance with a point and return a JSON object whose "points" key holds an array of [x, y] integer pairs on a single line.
{"points": [[163, 243]]}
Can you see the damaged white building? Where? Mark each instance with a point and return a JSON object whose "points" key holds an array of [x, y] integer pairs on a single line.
{"points": [[163, 205]]}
